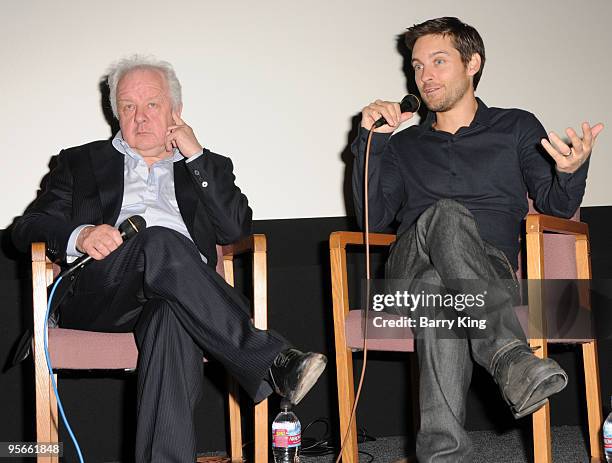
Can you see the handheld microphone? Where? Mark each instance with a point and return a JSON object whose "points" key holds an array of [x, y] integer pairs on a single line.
{"points": [[409, 104], [128, 228]]}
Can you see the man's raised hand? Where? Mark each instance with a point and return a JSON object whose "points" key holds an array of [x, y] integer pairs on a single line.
{"points": [[569, 159], [389, 110]]}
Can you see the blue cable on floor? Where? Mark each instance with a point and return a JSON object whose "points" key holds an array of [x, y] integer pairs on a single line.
{"points": [[59, 402]]}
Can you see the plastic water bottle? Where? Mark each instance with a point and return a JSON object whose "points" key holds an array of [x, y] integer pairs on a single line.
{"points": [[607, 437], [286, 435]]}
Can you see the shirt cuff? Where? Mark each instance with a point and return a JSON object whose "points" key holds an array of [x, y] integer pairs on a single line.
{"points": [[71, 251], [195, 156], [379, 140], [566, 179]]}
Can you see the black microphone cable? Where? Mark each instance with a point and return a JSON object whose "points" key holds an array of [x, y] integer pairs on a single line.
{"points": [[323, 445]]}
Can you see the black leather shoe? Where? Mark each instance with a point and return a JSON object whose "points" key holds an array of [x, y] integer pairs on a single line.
{"points": [[526, 381], [293, 373]]}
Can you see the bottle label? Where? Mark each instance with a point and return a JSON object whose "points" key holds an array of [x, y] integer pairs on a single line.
{"points": [[286, 435], [607, 437]]}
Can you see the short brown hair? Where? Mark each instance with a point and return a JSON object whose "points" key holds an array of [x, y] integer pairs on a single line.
{"points": [[465, 38]]}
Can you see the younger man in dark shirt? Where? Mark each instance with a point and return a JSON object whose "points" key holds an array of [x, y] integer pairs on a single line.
{"points": [[458, 186]]}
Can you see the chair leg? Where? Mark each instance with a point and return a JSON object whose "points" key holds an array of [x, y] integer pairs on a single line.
{"points": [[346, 398], [542, 451], [542, 448], [593, 399], [54, 417], [234, 420], [44, 411], [414, 376], [261, 432]]}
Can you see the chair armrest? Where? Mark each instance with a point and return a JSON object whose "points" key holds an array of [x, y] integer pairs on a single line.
{"points": [[256, 244], [39, 252], [251, 243], [339, 239], [540, 223], [41, 276], [43, 271], [337, 252]]}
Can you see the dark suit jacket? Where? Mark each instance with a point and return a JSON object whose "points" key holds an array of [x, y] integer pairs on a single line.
{"points": [[86, 186]]}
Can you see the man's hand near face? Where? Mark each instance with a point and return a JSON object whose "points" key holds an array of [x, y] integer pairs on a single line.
{"points": [[98, 241], [389, 110], [181, 136]]}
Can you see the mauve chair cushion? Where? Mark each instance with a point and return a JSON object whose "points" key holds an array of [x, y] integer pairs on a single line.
{"points": [[559, 257], [573, 327], [89, 350], [563, 246], [402, 339], [397, 339]]}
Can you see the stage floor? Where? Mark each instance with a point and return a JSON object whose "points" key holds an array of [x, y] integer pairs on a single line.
{"points": [[514, 446]]}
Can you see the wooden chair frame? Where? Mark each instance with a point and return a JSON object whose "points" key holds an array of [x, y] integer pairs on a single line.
{"points": [[536, 226], [344, 355], [46, 405]]}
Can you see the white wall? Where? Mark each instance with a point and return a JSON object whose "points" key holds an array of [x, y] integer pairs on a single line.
{"points": [[274, 84]]}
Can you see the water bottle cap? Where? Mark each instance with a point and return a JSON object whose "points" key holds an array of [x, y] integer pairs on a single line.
{"points": [[285, 404]]}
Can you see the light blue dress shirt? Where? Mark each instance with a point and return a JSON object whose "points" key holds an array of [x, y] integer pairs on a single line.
{"points": [[148, 192]]}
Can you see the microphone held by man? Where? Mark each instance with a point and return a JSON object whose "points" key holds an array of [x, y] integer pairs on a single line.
{"points": [[386, 116], [99, 241]]}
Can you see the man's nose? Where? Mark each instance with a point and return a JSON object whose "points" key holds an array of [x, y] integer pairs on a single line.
{"points": [[140, 115], [426, 74]]}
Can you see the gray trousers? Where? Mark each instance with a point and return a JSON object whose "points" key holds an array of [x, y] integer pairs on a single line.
{"points": [[444, 250]]}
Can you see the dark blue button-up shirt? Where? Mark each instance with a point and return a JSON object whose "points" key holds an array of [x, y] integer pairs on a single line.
{"points": [[489, 167]]}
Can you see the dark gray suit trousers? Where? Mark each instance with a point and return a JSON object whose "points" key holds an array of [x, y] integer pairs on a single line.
{"points": [[180, 310]]}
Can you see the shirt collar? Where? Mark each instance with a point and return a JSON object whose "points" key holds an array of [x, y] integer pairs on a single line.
{"points": [[482, 116], [121, 145]]}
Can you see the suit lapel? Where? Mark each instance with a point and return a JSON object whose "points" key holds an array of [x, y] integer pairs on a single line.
{"points": [[185, 196], [107, 165]]}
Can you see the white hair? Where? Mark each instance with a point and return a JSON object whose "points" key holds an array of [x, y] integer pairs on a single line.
{"points": [[125, 65]]}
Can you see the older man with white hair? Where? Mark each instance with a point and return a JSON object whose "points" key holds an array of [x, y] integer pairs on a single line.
{"points": [[161, 283]]}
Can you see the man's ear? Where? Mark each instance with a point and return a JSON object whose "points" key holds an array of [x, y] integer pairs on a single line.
{"points": [[179, 109], [474, 64]]}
